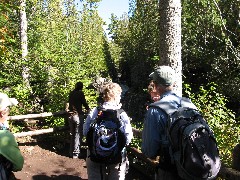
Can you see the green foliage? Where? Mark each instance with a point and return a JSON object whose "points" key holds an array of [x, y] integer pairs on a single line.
{"points": [[210, 44], [68, 48], [8, 28], [137, 141], [136, 36], [221, 119], [65, 46]]}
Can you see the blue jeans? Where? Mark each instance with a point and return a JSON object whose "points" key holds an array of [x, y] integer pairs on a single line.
{"points": [[76, 133]]}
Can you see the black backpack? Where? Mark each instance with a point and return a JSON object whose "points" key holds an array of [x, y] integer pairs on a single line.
{"points": [[105, 140], [191, 145]]}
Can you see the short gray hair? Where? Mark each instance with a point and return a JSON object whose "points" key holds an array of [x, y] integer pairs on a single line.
{"points": [[111, 91]]}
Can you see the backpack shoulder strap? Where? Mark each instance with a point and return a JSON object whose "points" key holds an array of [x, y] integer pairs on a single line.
{"points": [[119, 112], [96, 118], [2, 172], [99, 108]]}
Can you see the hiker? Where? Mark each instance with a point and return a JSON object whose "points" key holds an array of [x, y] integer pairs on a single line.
{"points": [[155, 122], [76, 101], [172, 127], [102, 170], [11, 158]]}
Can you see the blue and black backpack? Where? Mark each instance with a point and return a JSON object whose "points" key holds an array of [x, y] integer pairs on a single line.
{"points": [[105, 140], [189, 142]]}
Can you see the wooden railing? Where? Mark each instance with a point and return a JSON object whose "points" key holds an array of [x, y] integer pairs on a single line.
{"points": [[28, 117], [145, 165]]}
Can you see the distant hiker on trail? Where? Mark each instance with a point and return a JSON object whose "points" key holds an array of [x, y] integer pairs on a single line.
{"points": [[11, 158], [98, 84], [108, 131], [172, 127], [76, 101]]}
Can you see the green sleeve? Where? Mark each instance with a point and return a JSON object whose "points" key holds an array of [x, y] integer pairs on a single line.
{"points": [[10, 150]]}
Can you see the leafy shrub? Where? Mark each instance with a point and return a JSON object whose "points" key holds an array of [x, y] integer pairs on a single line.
{"points": [[221, 119], [137, 141]]}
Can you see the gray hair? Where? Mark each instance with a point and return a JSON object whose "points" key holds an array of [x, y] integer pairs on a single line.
{"points": [[111, 91], [99, 83]]}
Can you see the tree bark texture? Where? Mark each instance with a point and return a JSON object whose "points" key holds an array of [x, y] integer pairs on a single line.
{"points": [[23, 28], [170, 38], [24, 44]]}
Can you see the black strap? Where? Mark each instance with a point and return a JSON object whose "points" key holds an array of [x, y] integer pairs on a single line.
{"points": [[3, 175], [101, 172], [119, 111], [99, 108], [6, 166]]}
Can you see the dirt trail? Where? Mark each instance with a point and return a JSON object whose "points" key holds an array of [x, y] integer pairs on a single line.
{"points": [[48, 160]]}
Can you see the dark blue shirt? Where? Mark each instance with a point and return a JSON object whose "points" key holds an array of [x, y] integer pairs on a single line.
{"points": [[154, 128]]}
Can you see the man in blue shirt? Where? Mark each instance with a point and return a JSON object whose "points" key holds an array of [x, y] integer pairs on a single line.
{"points": [[154, 128]]}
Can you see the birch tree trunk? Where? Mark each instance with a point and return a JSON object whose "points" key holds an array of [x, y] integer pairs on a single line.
{"points": [[170, 38], [24, 45]]}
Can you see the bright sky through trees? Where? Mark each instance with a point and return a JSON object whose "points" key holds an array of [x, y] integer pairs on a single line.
{"points": [[108, 7]]}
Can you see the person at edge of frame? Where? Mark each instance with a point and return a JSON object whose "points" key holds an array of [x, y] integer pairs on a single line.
{"points": [[11, 159]]}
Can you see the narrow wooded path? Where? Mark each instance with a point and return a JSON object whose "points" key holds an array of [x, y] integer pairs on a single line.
{"points": [[49, 160]]}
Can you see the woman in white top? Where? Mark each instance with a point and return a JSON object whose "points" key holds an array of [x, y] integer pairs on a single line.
{"points": [[98, 171]]}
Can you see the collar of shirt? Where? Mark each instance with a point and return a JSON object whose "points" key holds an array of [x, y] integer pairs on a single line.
{"points": [[111, 105], [3, 126], [166, 94]]}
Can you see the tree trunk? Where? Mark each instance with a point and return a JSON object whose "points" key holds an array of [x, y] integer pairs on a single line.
{"points": [[170, 38], [24, 45]]}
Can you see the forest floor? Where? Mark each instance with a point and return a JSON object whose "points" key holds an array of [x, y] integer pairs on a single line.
{"points": [[47, 158]]}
